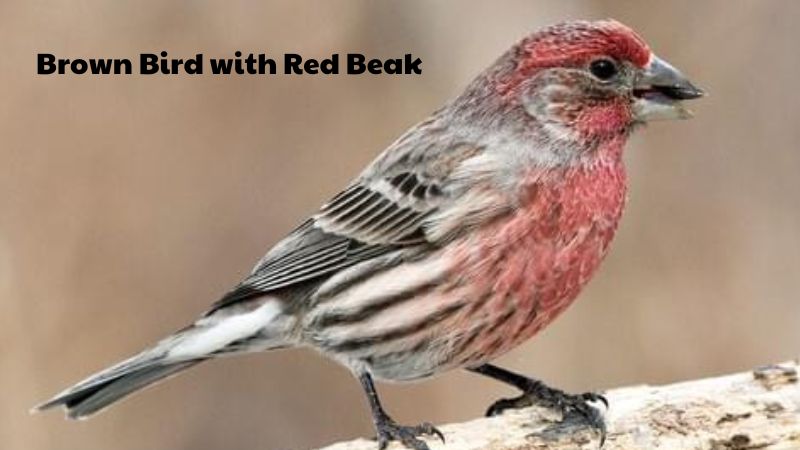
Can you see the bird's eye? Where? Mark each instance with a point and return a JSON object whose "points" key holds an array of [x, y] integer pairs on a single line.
{"points": [[603, 68]]}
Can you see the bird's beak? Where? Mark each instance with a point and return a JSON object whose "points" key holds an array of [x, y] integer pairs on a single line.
{"points": [[658, 92]]}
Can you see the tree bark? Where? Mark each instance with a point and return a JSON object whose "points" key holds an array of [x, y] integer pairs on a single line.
{"points": [[751, 410]]}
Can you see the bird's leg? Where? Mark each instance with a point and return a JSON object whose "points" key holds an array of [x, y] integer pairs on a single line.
{"points": [[535, 392], [389, 430]]}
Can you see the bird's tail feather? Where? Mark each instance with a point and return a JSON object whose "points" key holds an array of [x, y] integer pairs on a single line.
{"points": [[225, 333], [107, 387]]}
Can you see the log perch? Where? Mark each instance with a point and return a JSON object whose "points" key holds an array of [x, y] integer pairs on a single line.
{"points": [[759, 409]]}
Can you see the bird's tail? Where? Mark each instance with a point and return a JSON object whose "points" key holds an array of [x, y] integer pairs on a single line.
{"points": [[106, 387], [215, 335]]}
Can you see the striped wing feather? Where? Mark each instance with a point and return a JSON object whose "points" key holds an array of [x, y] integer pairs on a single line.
{"points": [[366, 220]]}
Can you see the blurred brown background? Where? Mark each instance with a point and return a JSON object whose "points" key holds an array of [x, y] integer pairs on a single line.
{"points": [[129, 203]]}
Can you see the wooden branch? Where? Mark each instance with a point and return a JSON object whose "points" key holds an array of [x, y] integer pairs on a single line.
{"points": [[751, 410]]}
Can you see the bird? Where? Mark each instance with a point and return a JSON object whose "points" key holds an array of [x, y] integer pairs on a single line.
{"points": [[465, 237]]}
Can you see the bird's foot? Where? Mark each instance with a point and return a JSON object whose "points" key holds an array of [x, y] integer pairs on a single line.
{"points": [[569, 405], [389, 430]]}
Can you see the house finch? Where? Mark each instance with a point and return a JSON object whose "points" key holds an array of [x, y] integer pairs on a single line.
{"points": [[465, 237]]}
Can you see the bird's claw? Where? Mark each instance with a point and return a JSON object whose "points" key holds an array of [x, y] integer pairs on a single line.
{"points": [[388, 431], [595, 397], [569, 405], [579, 404]]}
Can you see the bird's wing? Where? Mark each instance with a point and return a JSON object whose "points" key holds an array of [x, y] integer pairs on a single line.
{"points": [[383, 211]]}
